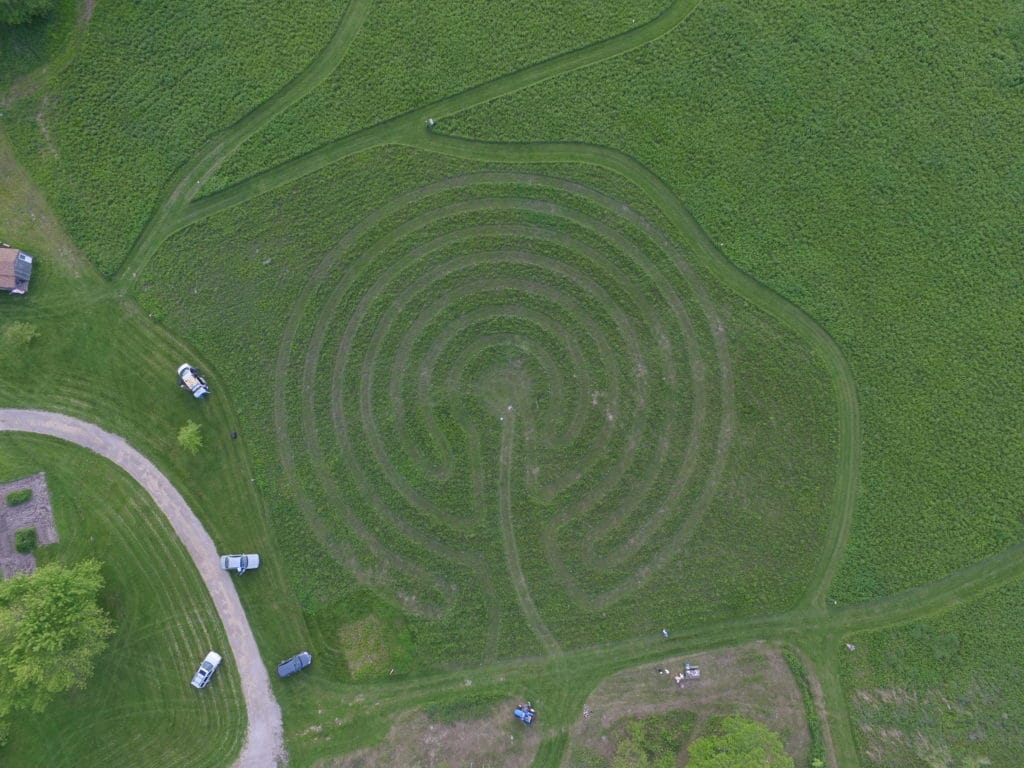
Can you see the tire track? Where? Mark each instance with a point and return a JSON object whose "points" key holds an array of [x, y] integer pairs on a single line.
{"points": [[186, 182], [508, 537]]}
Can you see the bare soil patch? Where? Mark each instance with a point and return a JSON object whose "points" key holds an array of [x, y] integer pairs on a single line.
{"points": [[34, 513], [363, 645], [496, 741], [751, 680]]}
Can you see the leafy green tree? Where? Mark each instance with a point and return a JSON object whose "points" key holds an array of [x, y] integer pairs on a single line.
{"points": [[51, 631], [21, 11], [737, 742], [652, 742], [190, 437]]}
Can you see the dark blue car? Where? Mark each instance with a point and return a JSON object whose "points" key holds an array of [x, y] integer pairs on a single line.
{"points": [[296, 663]]}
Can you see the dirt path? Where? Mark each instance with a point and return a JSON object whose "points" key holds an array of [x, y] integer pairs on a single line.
{"points": [[264, 743]]}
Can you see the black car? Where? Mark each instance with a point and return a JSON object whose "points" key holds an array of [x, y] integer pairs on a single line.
{"points": [[296, 663]]}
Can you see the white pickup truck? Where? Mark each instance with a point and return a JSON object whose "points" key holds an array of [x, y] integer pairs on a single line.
{"points": [[189, 378], [202, 676], [240, 563]]}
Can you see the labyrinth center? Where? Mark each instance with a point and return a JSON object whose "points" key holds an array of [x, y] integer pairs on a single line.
{"points": [[511, 384]]}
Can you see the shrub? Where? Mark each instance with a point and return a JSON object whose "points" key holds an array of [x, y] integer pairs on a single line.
{"points": [[739, 743], [466, 706], [19, 334], [653, 741], [19, 497], [25, 540], [190, 437], [22, 11]]}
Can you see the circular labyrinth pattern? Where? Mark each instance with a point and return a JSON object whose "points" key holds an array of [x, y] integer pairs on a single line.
{"points": [[505, 378]]}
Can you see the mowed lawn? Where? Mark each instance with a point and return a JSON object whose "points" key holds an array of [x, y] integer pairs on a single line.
{"points": [[138, 709], [98, 358], [472, 287], [453, 447]]}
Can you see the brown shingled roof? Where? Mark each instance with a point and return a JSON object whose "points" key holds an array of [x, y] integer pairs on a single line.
{"points": [[7, 258], [14, 272]]}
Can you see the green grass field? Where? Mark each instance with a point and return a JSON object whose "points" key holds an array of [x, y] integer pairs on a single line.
{"points": [[569, 312], [148, 83], [414, 54], [688, 315], [139, 708], [943, 691], [864, 191]]}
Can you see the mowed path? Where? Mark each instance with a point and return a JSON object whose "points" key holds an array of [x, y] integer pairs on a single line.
{"points": [[264, 744]]}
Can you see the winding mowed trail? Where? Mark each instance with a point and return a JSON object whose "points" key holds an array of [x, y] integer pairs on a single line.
{"points": [[466, 298], [343, 338], [264, 744]]}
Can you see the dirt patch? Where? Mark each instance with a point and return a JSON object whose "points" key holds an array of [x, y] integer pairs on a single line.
{"points": [[363, 645], [34, 513], [497, 741], [752, 680], [88, 6]]}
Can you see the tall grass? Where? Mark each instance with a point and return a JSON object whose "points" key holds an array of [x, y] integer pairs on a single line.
{"points": [[410, 53], [149, 82], [864, 165], [948, 689]]}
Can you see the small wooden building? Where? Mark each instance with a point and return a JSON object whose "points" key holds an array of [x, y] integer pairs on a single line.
{"points": [[15, 269]]}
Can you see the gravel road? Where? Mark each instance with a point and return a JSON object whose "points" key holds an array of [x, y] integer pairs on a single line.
{"points": [[264, 743]]}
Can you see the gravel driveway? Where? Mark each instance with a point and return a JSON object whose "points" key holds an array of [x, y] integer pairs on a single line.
{"points": [[264, 744]]}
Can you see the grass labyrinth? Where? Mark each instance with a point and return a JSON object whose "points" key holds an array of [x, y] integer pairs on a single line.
{"points": [[507, 354], [506, 399], [505, 406]]}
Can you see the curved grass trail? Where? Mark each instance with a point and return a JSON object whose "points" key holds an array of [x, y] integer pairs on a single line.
{"points": [[818, 633], [178, 209], [189, 179], [264, 745], [815, 629], [305, 366], [703, 249], [821, 627]]}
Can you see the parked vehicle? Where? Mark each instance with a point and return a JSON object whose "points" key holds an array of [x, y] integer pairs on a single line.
{"points": [[526, 713], [240, 563], [202, 676], [296, 663], [189, 378]]}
